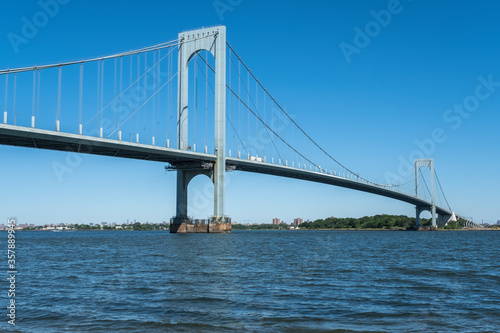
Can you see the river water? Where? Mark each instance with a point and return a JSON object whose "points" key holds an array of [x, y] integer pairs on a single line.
{"points": [[262, 281]]}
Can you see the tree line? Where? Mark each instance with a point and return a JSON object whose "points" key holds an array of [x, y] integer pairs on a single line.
{"points": [[366, 222]]}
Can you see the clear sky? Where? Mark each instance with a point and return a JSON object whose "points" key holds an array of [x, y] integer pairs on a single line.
{"points": [[372, 99]]}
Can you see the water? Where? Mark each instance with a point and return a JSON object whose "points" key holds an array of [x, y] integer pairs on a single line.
{"points": [[266, 281]]}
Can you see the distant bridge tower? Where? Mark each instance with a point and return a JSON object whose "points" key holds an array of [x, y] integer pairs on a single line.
{"points": [[426, 163], [191, 42]]}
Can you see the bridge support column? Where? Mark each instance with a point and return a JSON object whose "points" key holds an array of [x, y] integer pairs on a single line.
{"points": [[214, 41], [220, 128], [183, 179], [417, 218], [182, 223], [443, 219], [418, 211]]}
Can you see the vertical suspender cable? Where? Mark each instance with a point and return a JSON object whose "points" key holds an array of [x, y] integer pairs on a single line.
{"points": [[195, 94], [155, 93], [34, 96], [169, 98], [154, 96], [279, 125], [102, 98], [6, 96], [256, 120], [280, 128], [294, 154], [288, 153], [131, 90], [114, 93], [157, 82], [290, 139], [137, 100], [80, 101], [206, 97], [14, 105], [272, 127], [130, 73], [239, 103], [230, 95], [285, 129], [146, 91], [265, 132], [58, 117], [98, 87], [121, 93], [248, 112], [38, 98]]}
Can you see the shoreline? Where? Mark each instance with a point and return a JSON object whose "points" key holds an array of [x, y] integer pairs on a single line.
{"points": [[372, 229], [323, 229]]}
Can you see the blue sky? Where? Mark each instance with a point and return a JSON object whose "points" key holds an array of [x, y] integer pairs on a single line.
{"points": [[368, 109]]}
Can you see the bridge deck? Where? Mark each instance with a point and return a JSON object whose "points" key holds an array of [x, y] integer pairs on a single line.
{"points": [[43, 139], [283, 171]]}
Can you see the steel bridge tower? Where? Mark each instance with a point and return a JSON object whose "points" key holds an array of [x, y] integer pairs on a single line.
{"points": [[426, 163], [191, 42]]}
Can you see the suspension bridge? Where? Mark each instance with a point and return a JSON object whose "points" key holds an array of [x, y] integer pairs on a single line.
{"points": [[192, 103]]}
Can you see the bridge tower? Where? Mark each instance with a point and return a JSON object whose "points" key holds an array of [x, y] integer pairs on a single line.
{"points": [[191, 42], [426, 163]]}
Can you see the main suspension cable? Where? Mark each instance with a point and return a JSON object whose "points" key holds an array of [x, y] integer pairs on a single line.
{"points": [[300, 128]]}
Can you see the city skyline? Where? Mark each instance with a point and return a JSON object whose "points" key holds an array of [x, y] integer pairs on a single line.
{"points": [[373, 98]]}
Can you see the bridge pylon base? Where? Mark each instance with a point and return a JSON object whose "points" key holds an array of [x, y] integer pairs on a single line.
{"points": [[183, 225], [219, 228], [425, 228]]}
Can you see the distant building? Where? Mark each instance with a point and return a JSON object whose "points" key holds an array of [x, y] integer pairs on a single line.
{"points": [[498, 222], [297, 222], [276, 220]]}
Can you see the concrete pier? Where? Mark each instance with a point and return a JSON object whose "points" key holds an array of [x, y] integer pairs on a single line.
{"points": [[199, 228], [185, 225]]}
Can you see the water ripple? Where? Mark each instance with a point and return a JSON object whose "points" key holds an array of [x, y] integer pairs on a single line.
{"points": [[258, 282]]}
